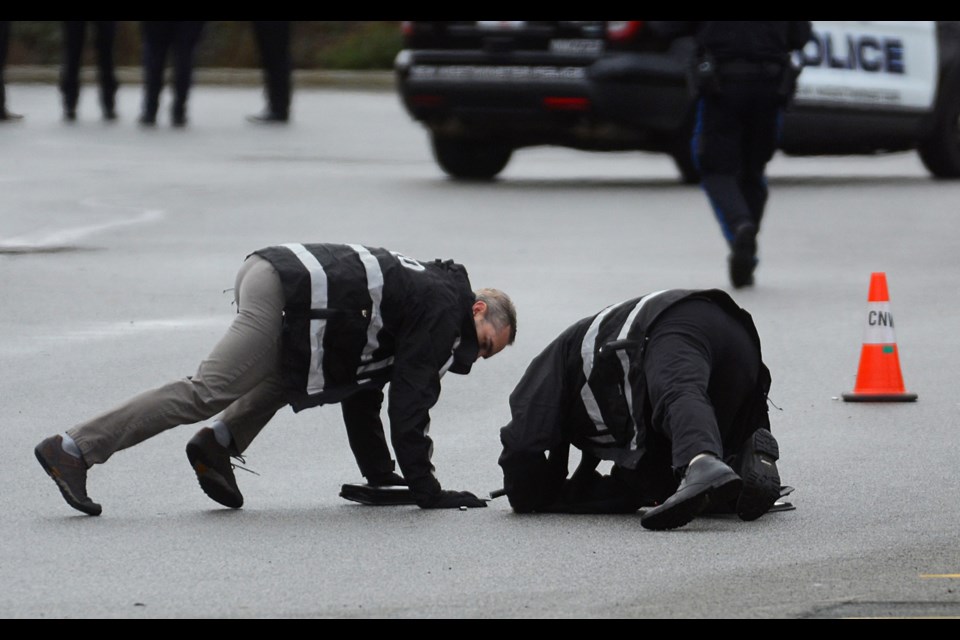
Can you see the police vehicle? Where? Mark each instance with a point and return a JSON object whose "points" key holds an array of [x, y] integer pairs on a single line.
{"points": [[484, 89]]}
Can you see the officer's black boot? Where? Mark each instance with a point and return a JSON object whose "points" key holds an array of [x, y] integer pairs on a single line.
{"points": [[743, 259], [148, 115], [108, 102], [178, 114]]}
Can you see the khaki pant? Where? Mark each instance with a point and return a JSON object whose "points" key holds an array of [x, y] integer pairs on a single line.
{"points": [[240, 377]]}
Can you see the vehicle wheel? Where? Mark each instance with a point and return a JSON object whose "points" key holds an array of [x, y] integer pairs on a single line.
{"points": [[689, 173], [469, 159], [940, 152]]}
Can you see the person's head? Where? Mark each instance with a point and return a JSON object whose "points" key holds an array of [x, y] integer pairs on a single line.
{"points": [[496, 320]]}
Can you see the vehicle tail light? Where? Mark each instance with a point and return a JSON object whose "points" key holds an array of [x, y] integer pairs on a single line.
{"points": [[406, 28], [427, 100], [566, 103], [623, 31]]}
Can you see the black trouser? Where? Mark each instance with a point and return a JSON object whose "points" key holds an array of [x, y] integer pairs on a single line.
{"points": [[736, 135], [4, 44], [702, 371], [361, 415], [160, 37], [273, 39], [74, 35]]}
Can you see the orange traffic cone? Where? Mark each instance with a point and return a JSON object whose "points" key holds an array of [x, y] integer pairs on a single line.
{"points": [[879, 378]]}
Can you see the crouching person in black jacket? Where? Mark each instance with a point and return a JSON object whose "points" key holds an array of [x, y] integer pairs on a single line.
{"points": [[669, 387], [316, 324]]}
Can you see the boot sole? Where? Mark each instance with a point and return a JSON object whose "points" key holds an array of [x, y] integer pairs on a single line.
{"points": [[761, 485], [90, 508], [212, 483]]}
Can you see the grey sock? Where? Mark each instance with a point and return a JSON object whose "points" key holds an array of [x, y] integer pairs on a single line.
{"points": [[69, 446], [222, 433]]}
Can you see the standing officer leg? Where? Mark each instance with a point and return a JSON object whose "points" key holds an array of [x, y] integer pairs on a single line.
{"points": [[106, 31], [273, 40], [761, 139], [184, 49], [72, 56], [156, 36], [719, 151], [4, 44]]}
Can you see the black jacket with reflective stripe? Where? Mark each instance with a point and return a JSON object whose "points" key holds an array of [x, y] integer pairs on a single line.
{"points": [[587, 389], [359, 317]]}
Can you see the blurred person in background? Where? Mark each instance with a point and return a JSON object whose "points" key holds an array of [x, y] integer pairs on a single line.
{"points": [[273, 42], [177, 39], [5, 116], [744, 78], [74, 37]]}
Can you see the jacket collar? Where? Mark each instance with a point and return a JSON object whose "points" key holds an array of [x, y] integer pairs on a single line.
{"points": [[466, 352]]}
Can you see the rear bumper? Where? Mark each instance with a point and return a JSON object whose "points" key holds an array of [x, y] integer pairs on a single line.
{"points": [[616, 101]]}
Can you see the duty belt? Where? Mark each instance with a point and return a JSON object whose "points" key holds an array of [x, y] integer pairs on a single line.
{"points": [[747, 68]]}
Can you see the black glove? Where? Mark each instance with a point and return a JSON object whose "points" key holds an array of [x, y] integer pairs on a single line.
{"points": [[454, 500], [592, 492]]}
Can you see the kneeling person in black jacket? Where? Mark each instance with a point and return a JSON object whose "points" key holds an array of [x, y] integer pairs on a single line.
{"points": [[669, 387]]}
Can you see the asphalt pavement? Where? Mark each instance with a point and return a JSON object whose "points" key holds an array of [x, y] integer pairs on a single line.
{"points": [[118, 247]]}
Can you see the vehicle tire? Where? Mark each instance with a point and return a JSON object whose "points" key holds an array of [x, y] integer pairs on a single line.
{"points": [[940, 152], [470, 159]]}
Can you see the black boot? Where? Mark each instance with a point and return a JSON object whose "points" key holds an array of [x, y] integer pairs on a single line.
{"points": [[707, 479], [757, 465], [743, 260], [178, 115]]}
